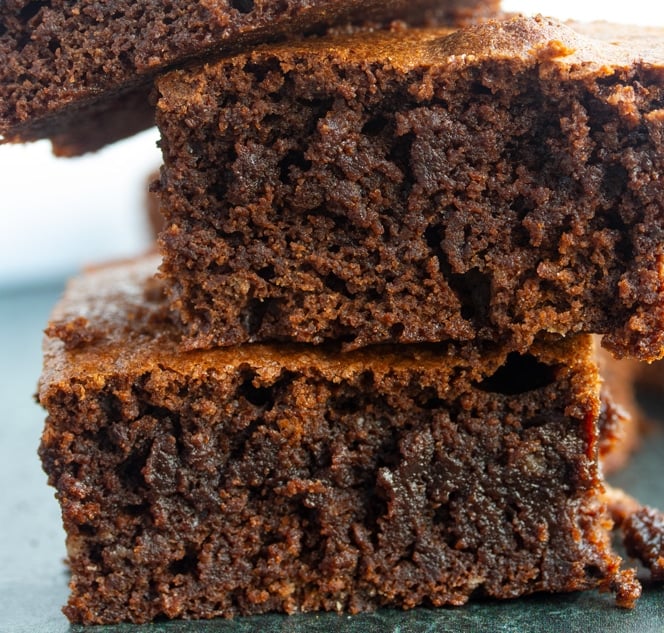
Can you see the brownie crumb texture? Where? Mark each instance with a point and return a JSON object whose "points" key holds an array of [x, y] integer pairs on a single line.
{"points": [[643, 536], [53, 86], [418, 187]]}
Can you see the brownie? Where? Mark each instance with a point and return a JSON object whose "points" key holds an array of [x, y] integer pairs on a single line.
{"points": [[259, 478], [485, 185], [641, 528], [631, 384], [80, 73], [643, 537]]}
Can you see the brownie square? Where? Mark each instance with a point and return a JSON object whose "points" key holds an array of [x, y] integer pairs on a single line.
{"points": [[80, 72], [490, 184]]}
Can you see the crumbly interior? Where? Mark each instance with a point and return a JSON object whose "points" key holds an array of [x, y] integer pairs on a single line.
{"points": [[643, 537], [248, 486], [80, 72], [417, 188]]}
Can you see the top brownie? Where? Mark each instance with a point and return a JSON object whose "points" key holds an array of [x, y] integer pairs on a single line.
{"points": [[80, 72], [487, 184]]}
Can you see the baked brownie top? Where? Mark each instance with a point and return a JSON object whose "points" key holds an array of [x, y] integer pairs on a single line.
{"points": [[590, 49], [114, 320], [80, 72]]}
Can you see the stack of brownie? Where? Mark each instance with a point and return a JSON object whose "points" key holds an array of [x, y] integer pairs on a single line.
{"points": [[365, 374]]}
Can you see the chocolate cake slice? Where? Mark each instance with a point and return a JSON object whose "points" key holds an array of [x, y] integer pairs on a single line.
{"points": [[80, 72], [291, 478], [485, 185]]}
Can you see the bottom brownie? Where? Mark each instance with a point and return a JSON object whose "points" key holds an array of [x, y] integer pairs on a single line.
{"points": [[263, 478]]}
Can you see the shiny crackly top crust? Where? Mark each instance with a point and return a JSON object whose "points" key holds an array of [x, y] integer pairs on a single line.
{"points": [[578, 49]]}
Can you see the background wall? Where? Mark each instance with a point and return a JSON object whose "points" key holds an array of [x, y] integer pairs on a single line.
{"points": [[59, 214], [648, 12]]}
